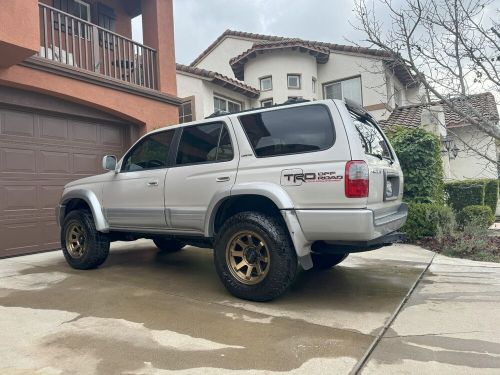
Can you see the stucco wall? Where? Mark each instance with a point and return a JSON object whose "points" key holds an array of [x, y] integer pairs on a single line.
{"points": [[204, 92], [279, 64], [218, 59], [468, 163]]}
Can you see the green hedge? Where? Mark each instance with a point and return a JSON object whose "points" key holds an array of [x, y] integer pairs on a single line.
{"points": [[481, 216], [427, 219], [491, 194], [472, 193], [419, 153], [465, 193]]}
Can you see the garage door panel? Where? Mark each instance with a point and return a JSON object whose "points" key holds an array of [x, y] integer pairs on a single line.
{"points": [[85, 163], [84, 132], [18, 160], [39, 154], [54, 162], [53, 128], [18, 123]]}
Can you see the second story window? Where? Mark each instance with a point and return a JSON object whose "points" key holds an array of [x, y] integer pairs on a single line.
{"points": [[78, 8], [226, 105], [293, 81], [266, 83], [186, 112], [106, 17], [266, 103], [345, 89], [313, 86]]}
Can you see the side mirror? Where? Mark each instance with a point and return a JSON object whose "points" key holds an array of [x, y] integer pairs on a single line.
{"points": [[109, 162]]}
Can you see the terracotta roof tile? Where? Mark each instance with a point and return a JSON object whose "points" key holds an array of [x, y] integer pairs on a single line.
{"points": [[411, 115], [220, 79]]}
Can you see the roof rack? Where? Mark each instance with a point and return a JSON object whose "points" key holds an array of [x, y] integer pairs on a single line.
{"points": [[356, 108], [219, 113]]}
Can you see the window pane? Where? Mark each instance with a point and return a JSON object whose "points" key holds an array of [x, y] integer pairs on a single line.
{"points": [[199, 144], [351, 89], [225, 150], [294, 81], [266, 83], [267, 103], [233, 107], [219, 104], [289, 131], [150, 153], [333, 91], [371, 139]]}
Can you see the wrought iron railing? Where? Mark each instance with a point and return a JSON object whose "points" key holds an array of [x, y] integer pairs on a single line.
{"points": [[73, 41]]}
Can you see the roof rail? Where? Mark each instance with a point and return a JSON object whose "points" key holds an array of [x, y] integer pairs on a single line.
{"points": [[219, 113], [356, 108]]}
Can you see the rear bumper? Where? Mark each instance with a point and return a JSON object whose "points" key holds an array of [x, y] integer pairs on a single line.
{"points": [[350, 226]]}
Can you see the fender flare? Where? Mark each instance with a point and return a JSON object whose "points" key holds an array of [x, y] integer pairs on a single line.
{"points": [[95, 206], [266, 189]]}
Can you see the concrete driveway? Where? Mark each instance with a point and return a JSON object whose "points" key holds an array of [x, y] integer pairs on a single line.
{"points": [[144, 312]]}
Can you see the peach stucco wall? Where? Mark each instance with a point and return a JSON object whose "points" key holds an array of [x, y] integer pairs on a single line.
{"points": [[140, 110], [19, 31]]}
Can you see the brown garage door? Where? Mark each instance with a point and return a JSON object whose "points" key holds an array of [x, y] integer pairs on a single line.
{"points": [[41, 151]]}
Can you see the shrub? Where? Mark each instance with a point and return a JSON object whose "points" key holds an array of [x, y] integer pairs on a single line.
{"points": [[461, 194], [428, 220], [480, 216], [419, 153], [491, 194]]}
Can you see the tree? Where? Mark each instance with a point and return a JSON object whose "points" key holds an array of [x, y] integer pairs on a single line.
{"points": [[450, 47]]}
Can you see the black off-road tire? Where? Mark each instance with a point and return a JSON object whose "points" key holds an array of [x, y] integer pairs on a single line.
{"points": [[168, 245], [323, 262], [97, 243], [283, 258]]}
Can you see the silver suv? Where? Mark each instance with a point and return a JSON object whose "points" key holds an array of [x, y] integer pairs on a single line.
{"points": [[269, 189]]}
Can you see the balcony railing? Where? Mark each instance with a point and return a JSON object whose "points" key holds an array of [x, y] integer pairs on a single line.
{"points": [[81, 44]]}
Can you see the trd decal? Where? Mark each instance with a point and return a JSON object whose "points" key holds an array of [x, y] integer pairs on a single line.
{"points": [[298, 178]]}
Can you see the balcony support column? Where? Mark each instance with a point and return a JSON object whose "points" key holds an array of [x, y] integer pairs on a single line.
{"points": [[158, 33]]}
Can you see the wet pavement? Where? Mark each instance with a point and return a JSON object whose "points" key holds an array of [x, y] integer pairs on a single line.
{"points": [[145, 312]]}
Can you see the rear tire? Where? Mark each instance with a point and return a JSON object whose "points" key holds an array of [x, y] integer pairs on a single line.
{"points": [[84, 247], [168, 245], [254, 256], [323, 262]]}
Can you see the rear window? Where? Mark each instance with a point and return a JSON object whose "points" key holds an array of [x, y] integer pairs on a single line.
{"points": [[289, 130], [371, 137]]}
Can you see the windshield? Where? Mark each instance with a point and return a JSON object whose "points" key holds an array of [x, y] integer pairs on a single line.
{"points": [[371, 137]]}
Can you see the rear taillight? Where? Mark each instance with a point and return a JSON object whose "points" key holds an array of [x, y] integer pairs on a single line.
{"points": [[356, 179]]}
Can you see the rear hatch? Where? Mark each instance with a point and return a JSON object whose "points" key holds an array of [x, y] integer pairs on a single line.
{"points": [[385, 176]]}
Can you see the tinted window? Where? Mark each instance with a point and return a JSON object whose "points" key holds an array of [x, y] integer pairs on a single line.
{"points": [[371, 138], [289, 131], [150, 153], [204, 143]]}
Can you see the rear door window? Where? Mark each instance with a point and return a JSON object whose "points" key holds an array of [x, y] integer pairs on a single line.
{"points": [[289, 130], [371, 137], [204, 143]]}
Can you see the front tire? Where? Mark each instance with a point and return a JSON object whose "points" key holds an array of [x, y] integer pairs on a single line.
{"points": [[168, 245], [254, 256], [83, 246]]}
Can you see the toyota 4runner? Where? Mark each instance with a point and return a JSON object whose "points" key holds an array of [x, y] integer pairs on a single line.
{"points": [[269, 189]]}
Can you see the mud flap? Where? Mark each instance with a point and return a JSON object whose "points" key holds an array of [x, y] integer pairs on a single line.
{"points": [[301, 244]]}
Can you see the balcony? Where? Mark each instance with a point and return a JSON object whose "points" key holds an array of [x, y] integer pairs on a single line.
{"points": [[76, 43]]}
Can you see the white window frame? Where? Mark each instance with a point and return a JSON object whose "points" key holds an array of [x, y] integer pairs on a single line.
{"points": [[299, 78], [227, 103], [325, 85], [262, 102], [86, 5], [262, 79]]}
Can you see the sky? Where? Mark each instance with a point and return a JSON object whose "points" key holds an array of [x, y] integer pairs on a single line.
{"points": [[199, 22]]}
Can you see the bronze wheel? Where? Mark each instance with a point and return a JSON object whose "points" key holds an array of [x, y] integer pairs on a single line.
{"points": [[76, 240], [247, 257]]}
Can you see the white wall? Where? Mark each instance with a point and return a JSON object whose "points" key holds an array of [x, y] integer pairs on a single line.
{"points": [[218, 59], [279, 64], [468, 163], [204, 92]]}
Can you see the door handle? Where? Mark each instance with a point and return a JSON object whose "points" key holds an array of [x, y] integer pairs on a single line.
{"points": [[153, 183], [223, 179]]}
